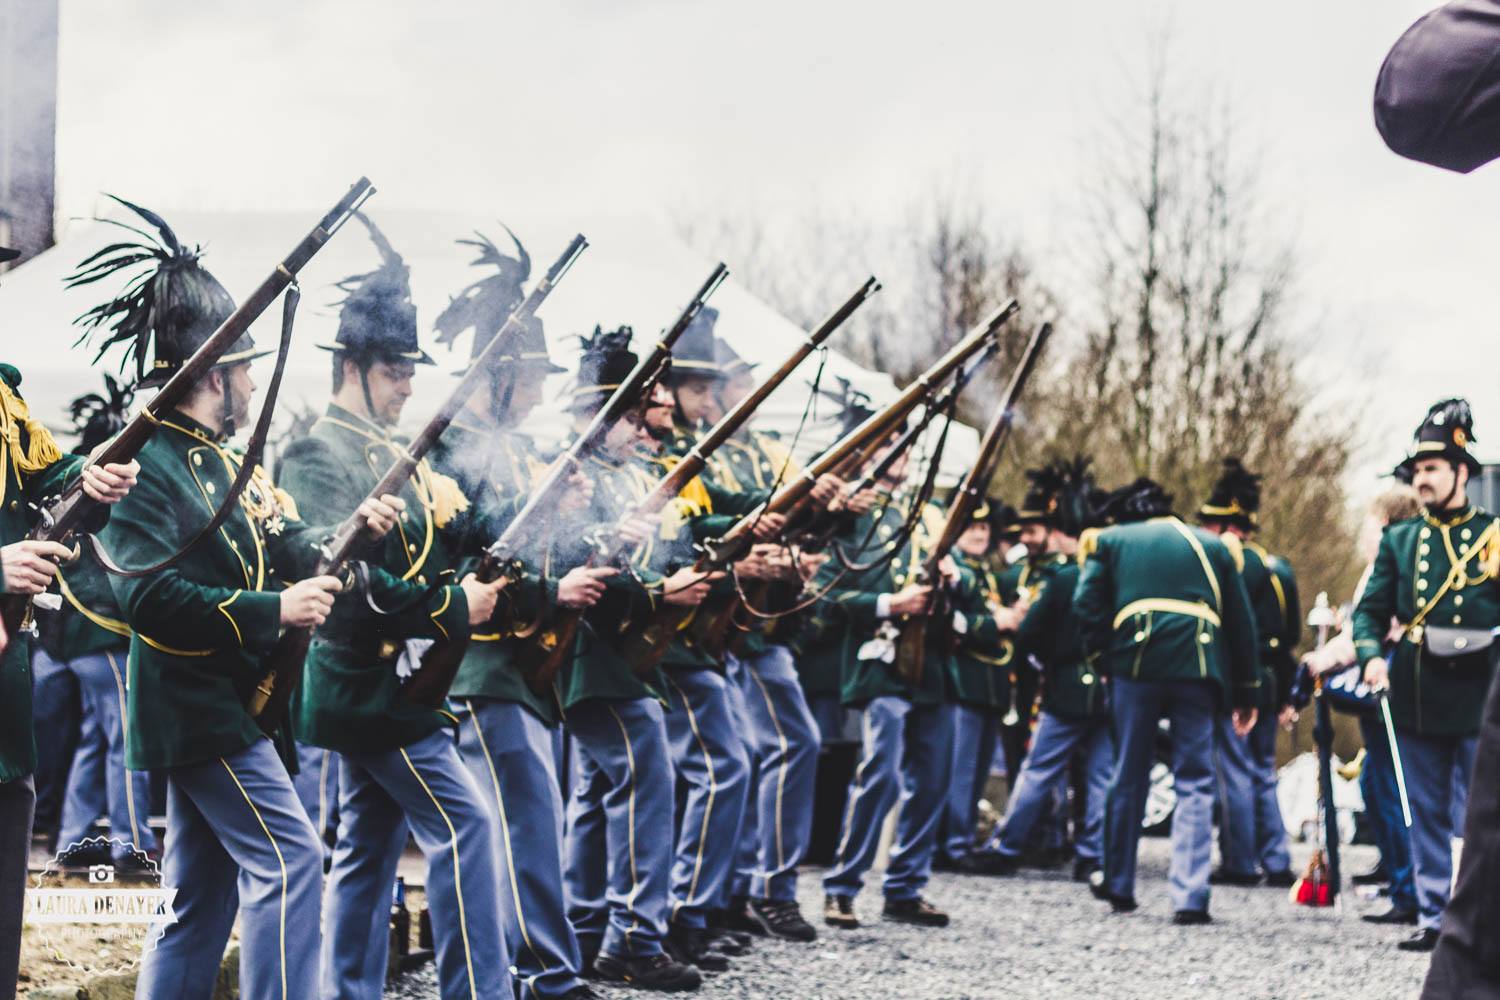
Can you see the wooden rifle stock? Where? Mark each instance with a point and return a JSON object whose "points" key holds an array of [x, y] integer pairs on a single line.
{"points": [[556, 642], [911, 644], [541, 504], [269, 700], [62, 516]]}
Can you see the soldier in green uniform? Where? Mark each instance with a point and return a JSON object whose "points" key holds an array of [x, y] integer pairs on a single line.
{"points": [[980, 690], [1164, 614], [1074, 722], [87, 638], [618, 858], [509, 732], [1436, 575], [32, 468], [1252, 836], [398, 763], [907, 743], [201, 627]]}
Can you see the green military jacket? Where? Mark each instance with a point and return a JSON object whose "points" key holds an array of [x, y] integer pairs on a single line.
{"points": [[1050, 635], [982, 666], [599, 667], [349, 699], [1272, 589], [495, 469], [1443, 569], [90, 615], [867, 668], [32, 468], [201, 627], [1028, 579], [1163, 601]]}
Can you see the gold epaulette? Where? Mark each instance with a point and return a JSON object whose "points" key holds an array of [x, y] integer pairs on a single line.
{"points": [[40, 451], [440, 494], [1088, 544], [1236, 549]]}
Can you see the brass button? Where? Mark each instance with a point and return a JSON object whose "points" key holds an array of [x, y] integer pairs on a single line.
{"points": [[1460, 643], [1465, 534], [1458, 619], [15, 505], [1275, 643], [1205, 638], [1139, 636], [1425, 533], [1424, 549], [1087, 679], [1458, 600], [411, 547], [1422, 566], [421, 579], [1421, 584], [197, 459], [208, 487]]}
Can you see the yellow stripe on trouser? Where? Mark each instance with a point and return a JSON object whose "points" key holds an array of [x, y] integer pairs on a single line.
{"points": [[135, 826], [1169, 606], [781, 772], [510, 861], [708, 807], [279, 860], [635, 882], [458, 890]]}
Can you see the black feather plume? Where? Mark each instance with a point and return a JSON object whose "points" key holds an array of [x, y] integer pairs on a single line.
{"points": [[484, 305], [96, 418]]}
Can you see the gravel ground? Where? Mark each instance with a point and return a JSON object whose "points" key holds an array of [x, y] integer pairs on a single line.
{"points": [[1040, 935]]}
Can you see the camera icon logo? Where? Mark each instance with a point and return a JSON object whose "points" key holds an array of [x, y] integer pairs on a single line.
{"points": [[101, 874]]}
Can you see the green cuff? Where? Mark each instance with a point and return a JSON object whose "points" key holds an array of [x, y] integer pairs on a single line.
{"points": [[256, 618], [1366, 650]]}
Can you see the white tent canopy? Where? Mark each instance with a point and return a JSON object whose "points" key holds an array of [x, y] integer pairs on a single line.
{"points": [[634, 272]]}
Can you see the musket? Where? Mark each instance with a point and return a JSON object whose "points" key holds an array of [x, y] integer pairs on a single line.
{"points": [[66, 513], [442, 660], [269, 700], [555, 645], [911, 644]]}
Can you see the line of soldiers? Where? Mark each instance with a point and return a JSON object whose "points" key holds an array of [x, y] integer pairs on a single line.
{"points": [[637, 826]]}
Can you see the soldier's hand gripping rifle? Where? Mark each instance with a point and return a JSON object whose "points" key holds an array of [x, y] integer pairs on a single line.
{"points": [[545, 657], [441, 662], [911, 644], [71, 510], [268, 702]]}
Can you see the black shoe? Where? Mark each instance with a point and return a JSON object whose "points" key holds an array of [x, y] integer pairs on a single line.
{"points": [[1221, 876], [914, 911], [1084, 868], [587, 969], [580, 993], [727, 942], [695, 946], [1425, 939], [736, 921], [1280, 880], [1392, 916], [942, 863], [1375, 876], [1191, 918], [838, 911], [653, 972], [782, 919], [989, 863], [1119, 904]]}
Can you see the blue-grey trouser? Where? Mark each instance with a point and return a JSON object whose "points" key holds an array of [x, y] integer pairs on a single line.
{"points": [[1377, 783], [510, 752], [237, 841], [426, 788], [17, 804], [1252, 835], [57, 721], [317, 784], [906, 755], [98, 783], [1190, 708], [619, 848], [1055, 743], [781, 741], [708, 753], [976, 733], [1437, 783]]}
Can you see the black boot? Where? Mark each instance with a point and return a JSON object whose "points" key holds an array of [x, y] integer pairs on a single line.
{"points": [[654, 972], [914, 911], [737, 920], [1392, 916], [1084, 868], [1189, 918], [1221, 876], [1425, 939], [695, 946], [1119, 904], [1375, 876], [782, 919], [1283, 879]]}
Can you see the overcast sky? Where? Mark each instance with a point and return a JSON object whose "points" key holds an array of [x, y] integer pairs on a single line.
{"points": [[612, 105]]}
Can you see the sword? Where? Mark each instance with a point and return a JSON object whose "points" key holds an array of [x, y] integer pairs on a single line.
{"points": [[1383, 696]]}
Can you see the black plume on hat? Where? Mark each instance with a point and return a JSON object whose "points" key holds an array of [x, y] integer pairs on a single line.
{"points": [[377, 320], [606, 361], [1235, 498], [1139, 501], [167, 311], [1446, 432], [96, 418], [1059, 495], [855, 407], [485, 305]]}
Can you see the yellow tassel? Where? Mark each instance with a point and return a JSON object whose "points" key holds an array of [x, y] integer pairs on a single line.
{"points": [[1088, 544], [444, 495], [41, 450]]}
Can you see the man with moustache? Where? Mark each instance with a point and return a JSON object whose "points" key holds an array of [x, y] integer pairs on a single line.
{"points": [[1436, 574], [398, 765]]}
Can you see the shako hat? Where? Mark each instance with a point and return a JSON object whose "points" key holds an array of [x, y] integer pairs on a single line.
{"points": [[377, 320], [1059, 496], [1446, 432], [606, 361], [694, 355], [167, 310], [1235, 498], [485, 305], [1140, 500], [728, 359]]}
